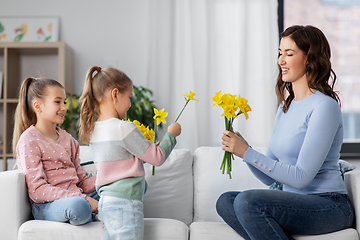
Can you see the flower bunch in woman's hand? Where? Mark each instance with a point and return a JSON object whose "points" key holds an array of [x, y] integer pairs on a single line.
{"points": [[233, 106]]}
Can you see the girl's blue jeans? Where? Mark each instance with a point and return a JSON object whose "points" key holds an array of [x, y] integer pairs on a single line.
{"points": [[273, 214], [122, 218], [76, 210]]}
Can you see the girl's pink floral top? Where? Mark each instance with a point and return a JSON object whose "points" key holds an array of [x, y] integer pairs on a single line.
{"points": [[52, 168]]}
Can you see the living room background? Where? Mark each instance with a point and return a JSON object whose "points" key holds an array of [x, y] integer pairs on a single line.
{"points": [[174, 47]]}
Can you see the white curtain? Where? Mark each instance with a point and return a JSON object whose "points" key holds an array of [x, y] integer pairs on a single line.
{"points": [[205, 46]]}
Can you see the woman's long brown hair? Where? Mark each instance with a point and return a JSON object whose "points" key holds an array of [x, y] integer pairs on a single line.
{"points": [[319, 73]]}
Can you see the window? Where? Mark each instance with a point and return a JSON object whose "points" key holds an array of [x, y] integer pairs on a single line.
{"points": [[338, 19]]}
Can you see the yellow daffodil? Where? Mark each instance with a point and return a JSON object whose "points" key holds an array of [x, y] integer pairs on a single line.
{"points": [[239, 101], [137, 123], [227, 100], [160, 116], [229, 112], [217, 99], [188, 97], [149, 134], [233, 106], [146, 131], [245, 109], [142, 128]]}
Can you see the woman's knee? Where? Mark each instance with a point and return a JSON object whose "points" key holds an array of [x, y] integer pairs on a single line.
{"points": [[247, 203], [225, 202]]}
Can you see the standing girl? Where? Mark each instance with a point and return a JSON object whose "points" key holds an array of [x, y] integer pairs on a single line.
{"points": [[118, 149], [303, 152], [49, 156]]}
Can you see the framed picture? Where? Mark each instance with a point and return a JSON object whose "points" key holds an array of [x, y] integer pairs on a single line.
{"points": [[29, 29]]}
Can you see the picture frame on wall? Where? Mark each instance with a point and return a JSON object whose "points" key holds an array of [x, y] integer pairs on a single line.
{"points": [[29, 29]]}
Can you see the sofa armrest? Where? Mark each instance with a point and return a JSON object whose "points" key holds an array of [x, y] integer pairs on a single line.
{"points": [[14, 204], [352, 182]]}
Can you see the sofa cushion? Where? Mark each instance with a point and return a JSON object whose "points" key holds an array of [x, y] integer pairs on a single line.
{"points": [[48, 230], [212, 231], [15, 206], [170, 190], [220, 230], [210, 183], [160, 229], [348, 234], [345, 167]]}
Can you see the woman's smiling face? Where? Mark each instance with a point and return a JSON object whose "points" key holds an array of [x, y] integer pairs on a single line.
{"points": [[291, 60]]}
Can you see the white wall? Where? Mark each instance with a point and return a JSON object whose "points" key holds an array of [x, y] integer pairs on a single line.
{"points": [[105, 33]]}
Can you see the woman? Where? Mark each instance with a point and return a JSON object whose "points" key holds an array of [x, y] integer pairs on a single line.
{"points": [[303, 152]]}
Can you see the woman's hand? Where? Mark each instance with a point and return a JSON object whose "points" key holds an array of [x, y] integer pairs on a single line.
{"points": [[234, 143], [93, 203]]}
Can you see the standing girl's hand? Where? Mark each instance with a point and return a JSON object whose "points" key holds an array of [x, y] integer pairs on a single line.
{"points": [[175, 129], [234, 143]]}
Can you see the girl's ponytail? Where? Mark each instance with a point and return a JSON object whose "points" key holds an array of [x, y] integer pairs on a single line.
{"points": [[88, 106], [98, 82], [24, 114]]}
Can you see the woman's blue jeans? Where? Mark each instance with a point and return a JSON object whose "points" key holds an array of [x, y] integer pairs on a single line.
{"points": [[273, 214], [76, 210]]}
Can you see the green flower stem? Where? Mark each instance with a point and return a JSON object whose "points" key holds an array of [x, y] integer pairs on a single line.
{"points": [[226, 162], [155, 135], [187, 101]]}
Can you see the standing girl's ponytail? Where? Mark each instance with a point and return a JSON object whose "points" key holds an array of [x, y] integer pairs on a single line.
{"points": [[88, 105], [30, 90], [98, 82]]}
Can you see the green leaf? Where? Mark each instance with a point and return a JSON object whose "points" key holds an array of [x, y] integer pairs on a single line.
{"points": [[75, 102], [47, 39], [1, 27], [18, 38]]}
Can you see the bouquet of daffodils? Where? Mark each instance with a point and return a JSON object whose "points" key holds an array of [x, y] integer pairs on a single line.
{"points": [[146, 131], [233, 106]]}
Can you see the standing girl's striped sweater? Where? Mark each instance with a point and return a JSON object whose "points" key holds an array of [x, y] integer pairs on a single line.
{"points": [[118, 149]]}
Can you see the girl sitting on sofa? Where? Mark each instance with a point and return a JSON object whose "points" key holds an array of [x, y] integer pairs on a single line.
{"points": [[118, 149], [49, 156], [303, 153]]}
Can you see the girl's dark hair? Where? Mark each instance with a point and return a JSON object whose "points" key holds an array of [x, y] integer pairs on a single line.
{"points": [[315, 46], [97, 82], [31, 89]]}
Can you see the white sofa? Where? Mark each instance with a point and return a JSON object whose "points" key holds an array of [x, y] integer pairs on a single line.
{"points": [[179, 203]]}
